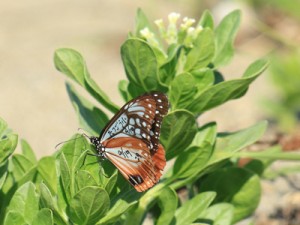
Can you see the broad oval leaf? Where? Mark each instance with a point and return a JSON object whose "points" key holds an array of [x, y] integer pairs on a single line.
{"points": [[27, 151], [83, 179], [116, 211], [237, 186], [72, 64], [203, 51], [224, 37], [14, 217], [220, 214], [3, 173], [167, 202], [182, 90], [177, 132], [25, 201], [140, 64], [192, 209], [141, 22], [228, 144], [8, 146], [192, 161], [66, 176], [47, 201], [21, 165], [3, 127], [206, 20], [91, 118], [206, 133], [48, 172], [167, 70], [88, 205], [43, 217], [227, 90], [204, 78]]}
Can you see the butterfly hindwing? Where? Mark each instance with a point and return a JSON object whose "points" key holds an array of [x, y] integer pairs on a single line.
{"points": [[133, 159]]}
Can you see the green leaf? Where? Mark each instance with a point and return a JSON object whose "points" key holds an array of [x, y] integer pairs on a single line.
{"points": [[167, 70], [177, 132], [44, 217], [192, 161], [28, 176], [3, 127], [75, 151], [256, 68], [224, 38], [21, 165], [202, 52], [46, 201], [123, 89], [110, 184], [8, 146], [227, 90], [66, 177], [25, 201], [228, 144], [141, 22], [27, 151], [88, 205], [121, 206], [182, 90], [83, 179], [237, 186], [91, 118], [206, 20], [15, 218], [220, 214], [167, 202], [135, 90], [204, 78], [191, 209], [206, 133], [3, 173], [48, 172], [72, 64], [140, 64]]}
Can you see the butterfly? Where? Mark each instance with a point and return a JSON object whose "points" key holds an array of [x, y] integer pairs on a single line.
{"points": [[131, 140]]}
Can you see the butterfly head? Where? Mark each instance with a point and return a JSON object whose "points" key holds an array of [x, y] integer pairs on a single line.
{"points": [[99, 147]]}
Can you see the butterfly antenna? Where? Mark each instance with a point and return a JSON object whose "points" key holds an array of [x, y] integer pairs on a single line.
{"points": [[56, 146], [83, 133]]}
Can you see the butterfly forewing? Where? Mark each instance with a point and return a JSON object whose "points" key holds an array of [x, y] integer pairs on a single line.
{"points": [[131, 140], [140, 118]]}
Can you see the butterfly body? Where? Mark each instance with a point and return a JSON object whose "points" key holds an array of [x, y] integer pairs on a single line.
{"points": [[131, 140]]}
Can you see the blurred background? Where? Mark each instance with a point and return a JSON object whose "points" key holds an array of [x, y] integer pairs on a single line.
{"points": [[34, 102]]}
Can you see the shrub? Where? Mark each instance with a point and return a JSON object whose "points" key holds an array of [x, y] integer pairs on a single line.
{"points": [[184, 62]]}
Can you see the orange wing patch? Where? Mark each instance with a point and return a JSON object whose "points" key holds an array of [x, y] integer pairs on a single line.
{"points": [[135, 162]]}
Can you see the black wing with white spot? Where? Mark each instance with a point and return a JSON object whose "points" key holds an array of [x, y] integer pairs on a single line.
{"points": [[140, 118]]}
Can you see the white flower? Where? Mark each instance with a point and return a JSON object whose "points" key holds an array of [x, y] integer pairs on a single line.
{"points": [[146, 33], [159, 23], [173, 17], [187, 22], [191, 30]]}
